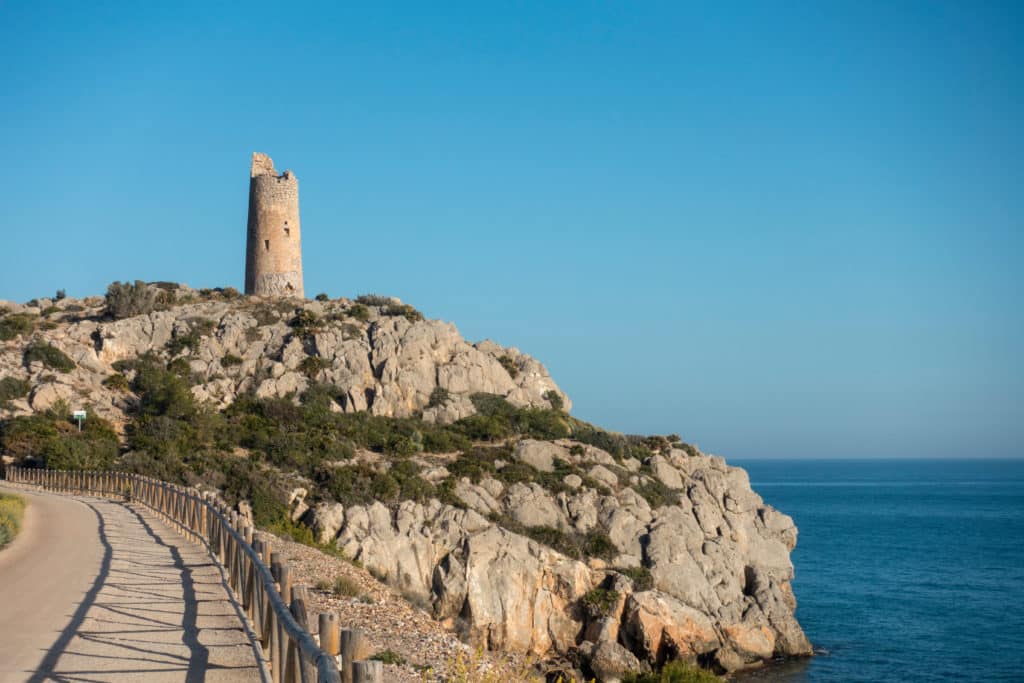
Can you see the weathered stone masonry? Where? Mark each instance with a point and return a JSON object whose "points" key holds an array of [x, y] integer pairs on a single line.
{"points": [[273, 261]]}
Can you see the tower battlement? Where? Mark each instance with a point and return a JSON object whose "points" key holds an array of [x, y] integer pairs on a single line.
{"points": [[273, 260]]}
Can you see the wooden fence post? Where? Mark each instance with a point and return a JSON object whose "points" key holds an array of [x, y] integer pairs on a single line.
{"points": [[369, 671], [330, 634], [352, 648]]}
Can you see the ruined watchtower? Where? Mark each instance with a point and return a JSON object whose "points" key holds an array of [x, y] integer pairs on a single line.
{"points": [[273, 252]]}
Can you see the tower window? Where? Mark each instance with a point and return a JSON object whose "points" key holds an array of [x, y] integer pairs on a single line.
{"points": [[266, 244], [287, 230]]}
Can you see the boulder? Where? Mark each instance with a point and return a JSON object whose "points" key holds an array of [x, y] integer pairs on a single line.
{"points": [[610, 661], [539, 454], [656, 624]]}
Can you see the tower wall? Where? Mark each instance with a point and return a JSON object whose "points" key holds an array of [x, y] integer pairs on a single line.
{"points": [[273, 262]]}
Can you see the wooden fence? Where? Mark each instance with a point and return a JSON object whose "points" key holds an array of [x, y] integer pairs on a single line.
{"points": [[260, 579]]}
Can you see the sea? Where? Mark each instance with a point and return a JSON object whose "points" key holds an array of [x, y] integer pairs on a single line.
{"points": [[906, 570]]}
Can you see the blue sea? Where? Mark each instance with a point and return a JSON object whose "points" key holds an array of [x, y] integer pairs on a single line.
{"points": [[906, 570]]}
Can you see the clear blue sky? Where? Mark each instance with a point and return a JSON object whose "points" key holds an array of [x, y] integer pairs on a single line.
{"points": [[778, 229]]}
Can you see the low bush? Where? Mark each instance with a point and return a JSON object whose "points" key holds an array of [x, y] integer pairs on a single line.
{"points": [[599, 602], [359, 312], [12, 511], [509, 365], [229, 360], [124, 300], [52, 438], [322, 297], [640, 576], [674, 672], [344, 587], [619, 446], [657, 494], [306, 323], [311, 366], [389, 657], [373, 300], [48, 355], [554, 399], [117, 382], [438, 397], [404, 310], [16, 324], [12, 387]]}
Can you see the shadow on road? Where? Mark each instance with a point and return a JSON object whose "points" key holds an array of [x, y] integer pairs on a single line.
{"points": [[156, 611]]}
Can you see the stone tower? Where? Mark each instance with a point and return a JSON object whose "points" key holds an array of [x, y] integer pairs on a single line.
{"points": [[273, 252]]}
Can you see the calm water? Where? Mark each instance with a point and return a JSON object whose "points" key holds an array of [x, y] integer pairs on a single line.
{"points": [[905, 570]]}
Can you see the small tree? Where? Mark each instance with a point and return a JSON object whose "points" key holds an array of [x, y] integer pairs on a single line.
{"points": [[125, 300]]}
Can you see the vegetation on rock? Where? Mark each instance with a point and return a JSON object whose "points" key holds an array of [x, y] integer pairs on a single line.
{"points": [[13, 325], [12, 511], [50, 356]]}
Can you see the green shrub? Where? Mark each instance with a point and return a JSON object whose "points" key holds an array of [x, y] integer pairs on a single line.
{"points": [[359, 312], [438, 397], [12, 387], [117, 382], [16, 324], [497, 419], [640, 576], [60, 295], [373, 300], [675, 672], [690, 449], [322, 297], [52, 438], [344, 587], [124, 300], [389, 657], [183, 340], [618, 446], [12, 511], [50, 310], [306, 323], [48, 355], [657, 494], [403, 310], [230, 360], [596, 543], [509, 365], [554, 399], [599, 602], [350, 331], [311, 366]]}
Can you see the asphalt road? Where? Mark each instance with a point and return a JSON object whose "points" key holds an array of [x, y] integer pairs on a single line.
{"points": [[94, 590]]}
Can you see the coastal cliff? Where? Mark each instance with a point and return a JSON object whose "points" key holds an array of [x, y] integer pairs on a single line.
{"points": [[451, 470]]}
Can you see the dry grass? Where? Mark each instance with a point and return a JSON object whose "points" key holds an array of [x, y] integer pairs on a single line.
{"points": [[12, 511]]}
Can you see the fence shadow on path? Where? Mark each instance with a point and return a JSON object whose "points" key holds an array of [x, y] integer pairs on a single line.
{"points": [[157, 611]]}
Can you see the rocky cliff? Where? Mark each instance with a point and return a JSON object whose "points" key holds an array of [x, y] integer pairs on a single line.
{"points": [[383, 357], [522, 528]]}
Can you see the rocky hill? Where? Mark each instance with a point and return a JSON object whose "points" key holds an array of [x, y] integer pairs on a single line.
{"points": [[451, 470]]}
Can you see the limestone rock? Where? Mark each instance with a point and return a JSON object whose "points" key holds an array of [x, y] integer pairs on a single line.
{"points": [[610, 661], [539, 454], [656, 623], [326, 519]]}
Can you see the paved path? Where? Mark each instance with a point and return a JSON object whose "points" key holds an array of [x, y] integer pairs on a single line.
{"points": [[93, 590]]}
